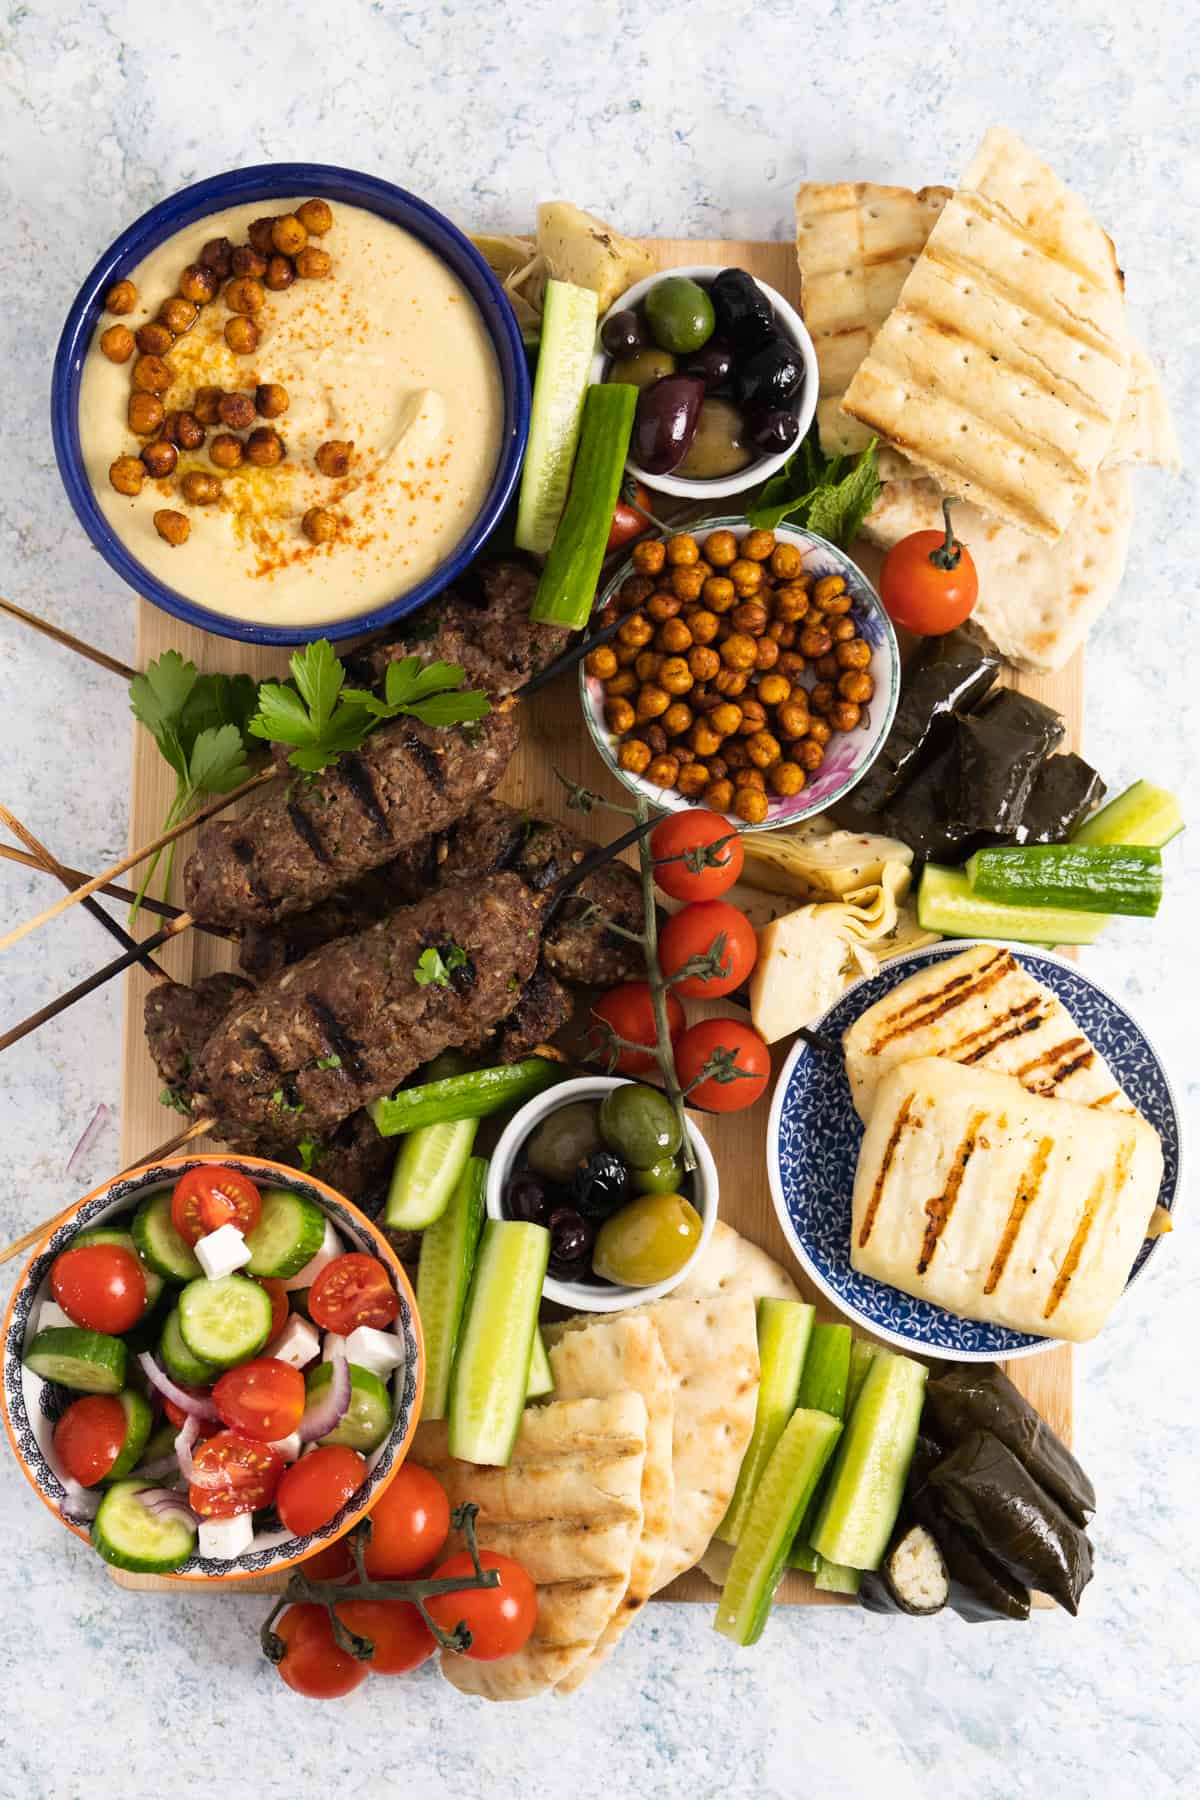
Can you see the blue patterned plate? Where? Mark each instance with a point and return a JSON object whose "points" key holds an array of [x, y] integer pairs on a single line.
{"points": [[814, 1135]]}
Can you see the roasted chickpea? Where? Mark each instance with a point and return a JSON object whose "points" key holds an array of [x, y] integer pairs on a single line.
{"points": [[128, 475], [774, 689], [160, 458], [815, 640], [249, 261], [622, 686], [279, 274], [236, 411], [785, 779], [241, 335], [656, 737], [791, 720], [718, 593], [319, 525], [200, 489], [809, 753], [739, 651], [154, 338], [663, 771], [781, 634], [844, 715], [206, 405], [675, 637], [677, 719], [836, 607], [758, 545], [313, 264], [634, 756], [736, 757], [264, 447], [217, 255], [186, 430], [315, 216], [225, 450], [822, 696], [754, 715], [693, 779], [703, 663], [766, 654], [750, 616], [854, 654], [660, 607], [751, 804], [856, 685], [334, 457], [791, 664], [688, 581], [827, 588], [718, 767], [145, 414], [703, 739], [747, 577], [607, 615], [288, 235], [619, 716], [843, 631], [682, 550], [199, 283], [636, 631], [633, 591], [720, 549], [648, 663], [173, 527], [791, 603], [725, 718], [151, 375], [649, 556], [683, 751], [786, 561], [764, 749], [245, 294], [827, 668], [178, 314], [118, 343], [704, 626], [652, 702], [601, 662], [259, 233], [121, 298], [626, 654], [675, 676], [731, 683], [718, 797], [270, 400]]}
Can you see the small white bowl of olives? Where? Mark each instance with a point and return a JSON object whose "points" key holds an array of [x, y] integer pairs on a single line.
{"points": [[727, 378], [622, 1231]]}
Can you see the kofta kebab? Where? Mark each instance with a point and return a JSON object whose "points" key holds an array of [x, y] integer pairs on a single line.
{"points": [[339, 885]]}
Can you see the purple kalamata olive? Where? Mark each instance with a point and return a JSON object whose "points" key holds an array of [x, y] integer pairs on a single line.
{"points": [[713, 364], [571, 1240], [526, 1199], [770, 378], [772, 430], [624, 332], [665, 424]]}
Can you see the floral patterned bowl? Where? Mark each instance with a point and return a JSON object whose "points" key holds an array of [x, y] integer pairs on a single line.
{"points": [[850, 754], [32, 1407]]}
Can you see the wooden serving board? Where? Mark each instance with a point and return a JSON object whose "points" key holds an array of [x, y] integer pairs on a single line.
{"points": [[553, 737]]}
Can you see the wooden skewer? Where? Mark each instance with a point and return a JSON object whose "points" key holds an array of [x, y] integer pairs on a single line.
{"points": [[91, 982], [53, 867], [162, 909], [64, 637]]}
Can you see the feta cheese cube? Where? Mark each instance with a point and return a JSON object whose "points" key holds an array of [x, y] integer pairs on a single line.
{"points": [[378, 1351], [226, 1537], [298, 1343], [52, 1314], [331, 1246], [289, 1447], [222, 1251], [334, 1345]]}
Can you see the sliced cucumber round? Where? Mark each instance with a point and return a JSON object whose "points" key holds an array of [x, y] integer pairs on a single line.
{"points": [[91, 1362], [289, 1233], [139, 1417], [129, 1536], [159, 1244], [104, 1234], [224, 1321], [178, 1360], [368, 1418]]}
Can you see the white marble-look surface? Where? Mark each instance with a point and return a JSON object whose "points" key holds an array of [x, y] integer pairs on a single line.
{"points": [[674, 119]]}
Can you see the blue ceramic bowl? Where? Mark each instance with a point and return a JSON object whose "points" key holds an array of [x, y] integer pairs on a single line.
{"points": [[814, 1134], [270, 181]]}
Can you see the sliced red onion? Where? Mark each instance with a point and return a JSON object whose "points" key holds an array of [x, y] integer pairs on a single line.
{"points": [[81, 1507], [167, 1503], [201, 1478], [91, 1132], [195, 1405], [325, 1414], [154, 1471]]}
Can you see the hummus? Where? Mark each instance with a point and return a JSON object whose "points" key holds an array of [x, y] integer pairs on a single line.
{"points": [[389, 352]]}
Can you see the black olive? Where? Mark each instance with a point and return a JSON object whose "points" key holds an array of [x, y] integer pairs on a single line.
{"points": [[600, 1184], [623, 333], [713, 364], [571, 1240], [743, 312], [526, 1199], [773, 430], [770, 378], [665, 422]]}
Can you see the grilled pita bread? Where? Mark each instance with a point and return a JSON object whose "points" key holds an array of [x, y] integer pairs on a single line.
{"points": [[619, 1355], [1002, 368], [569, 1508], [731, 1264], [981, 1009], [1037, 601], [998, 1204]]}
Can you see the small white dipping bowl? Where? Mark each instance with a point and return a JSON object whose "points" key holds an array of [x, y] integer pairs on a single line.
{"points": [[586, 1296], [791, 326]]}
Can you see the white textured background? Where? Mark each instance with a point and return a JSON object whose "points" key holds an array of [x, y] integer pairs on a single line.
{"points": [[668, 118]]}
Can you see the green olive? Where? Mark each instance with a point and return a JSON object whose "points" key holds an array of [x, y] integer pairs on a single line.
{"points": [[647, 1241], [564, 1140], [719, 446], [679, 314], [643, 368], [662, 1177], [640, 1124]]}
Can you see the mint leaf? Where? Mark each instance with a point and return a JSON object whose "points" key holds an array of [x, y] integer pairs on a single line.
{"points": [[839, 508], [829, 497]]}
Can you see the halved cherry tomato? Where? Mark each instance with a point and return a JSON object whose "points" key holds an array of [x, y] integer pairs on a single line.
{"points": [[100, 1286], [352, 1290], [500, 1619], [234, 1474], [318, 1486], [263, 1398], [751, 1059], [89, 1437], [208, 1197], [687, 834], [695, 931], [628, 523], [314, 1664], [410, 1523], [928, 582], [277, 1294], [629, 1011], [208, 1427], [401, 1638]]}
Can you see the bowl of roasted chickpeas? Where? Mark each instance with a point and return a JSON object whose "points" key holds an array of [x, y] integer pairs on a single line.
{"points": [[754, 673]]}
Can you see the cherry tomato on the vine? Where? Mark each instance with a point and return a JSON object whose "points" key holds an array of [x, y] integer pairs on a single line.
{"points": [[751, 1058], [928, 582], [402, 1640], [628, 1010], [89, 1437], [314, 1664], [500, 1619], [692, 832], [410, 1522], [352, 1290], [208, 1197], [694, 931], [100, 1286]]}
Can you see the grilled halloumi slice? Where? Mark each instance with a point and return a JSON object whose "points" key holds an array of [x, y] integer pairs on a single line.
{"points": [[999, 1204], [981, 1009]]}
